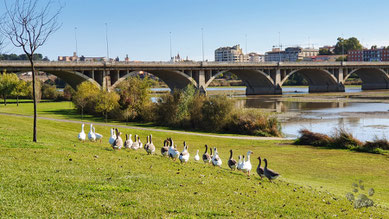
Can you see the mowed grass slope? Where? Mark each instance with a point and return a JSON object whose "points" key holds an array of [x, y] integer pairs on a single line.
{"points": [[61, 177]]}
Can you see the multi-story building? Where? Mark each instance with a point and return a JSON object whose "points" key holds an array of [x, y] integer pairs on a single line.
{"points": [[255, 57], [229, 54], [290, 54], [369, 55], [69, 58]]}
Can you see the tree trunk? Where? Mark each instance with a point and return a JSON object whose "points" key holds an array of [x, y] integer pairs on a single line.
{"points": [[106, 115], [33, 97], [17, 100], [5, 100], [82, 113]]}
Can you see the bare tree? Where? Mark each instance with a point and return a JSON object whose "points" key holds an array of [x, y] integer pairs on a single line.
{"points": [[28, 24]]}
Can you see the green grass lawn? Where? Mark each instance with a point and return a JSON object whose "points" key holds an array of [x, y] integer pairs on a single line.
{"points": [[61, 177]]}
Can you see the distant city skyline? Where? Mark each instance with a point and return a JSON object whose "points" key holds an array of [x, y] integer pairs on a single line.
{"points": [[141, 28]]}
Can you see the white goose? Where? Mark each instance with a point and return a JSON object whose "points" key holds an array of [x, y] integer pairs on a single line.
{"points": [[135, 144], [197, 157], [91, 134], [82, 135], [128, 143], [140, 143], [172, 152], [240, 162], [112, 139], [98, 136], [184, 155], [216, 161], [246, 168]]}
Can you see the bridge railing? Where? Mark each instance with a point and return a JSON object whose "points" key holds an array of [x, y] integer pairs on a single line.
{"points": [[183, 64]]}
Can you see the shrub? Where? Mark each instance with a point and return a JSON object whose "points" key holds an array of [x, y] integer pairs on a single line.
{"points": [[344, 139], [252, 122], [311, 138], [372, 146], [216, 112], [68, 92], [167, 108], [38, 91], [49, 92]]}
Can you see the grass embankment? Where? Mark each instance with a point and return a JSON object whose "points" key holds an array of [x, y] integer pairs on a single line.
{"points": [[62, 177]]}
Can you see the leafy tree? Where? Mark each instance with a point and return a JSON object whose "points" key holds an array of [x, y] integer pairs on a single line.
{"points": [[68, 92], [86, 97], [325, 51], [21, 89], [345, 45], [38, 90], [28, 24], [49, 92], [341, 58], [8, 83], [134, 96], [106, 102]]}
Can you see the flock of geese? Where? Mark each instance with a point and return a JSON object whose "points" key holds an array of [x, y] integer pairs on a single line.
{"points": [[169, 149]]}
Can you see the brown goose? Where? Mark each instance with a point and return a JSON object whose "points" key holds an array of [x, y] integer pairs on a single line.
{"points": [[206, 156], [165, 148], [118, 143], [232, 162], [150, 149], [270, 174], [260, 170], [145, 146]]}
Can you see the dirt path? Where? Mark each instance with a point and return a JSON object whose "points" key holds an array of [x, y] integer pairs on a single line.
{"points": [[151, 129]]}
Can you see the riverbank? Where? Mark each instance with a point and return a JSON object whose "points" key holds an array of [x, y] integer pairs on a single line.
{"points": [[72, 179]]}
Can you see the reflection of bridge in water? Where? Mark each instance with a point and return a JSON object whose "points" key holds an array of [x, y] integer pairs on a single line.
{"points": [[259, 78], [278, 106]]}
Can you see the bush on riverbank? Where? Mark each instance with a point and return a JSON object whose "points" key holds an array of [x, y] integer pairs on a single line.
{"points": [[341, 139], [251, 122]]}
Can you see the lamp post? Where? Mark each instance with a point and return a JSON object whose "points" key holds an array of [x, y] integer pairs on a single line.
{"points": [[75, 37], [202, 42], [106, 39], [170, 40]]}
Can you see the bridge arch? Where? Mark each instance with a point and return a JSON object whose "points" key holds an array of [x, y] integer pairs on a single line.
{"points": [[173, 79], [372, 78], [73, 78], [319, 80], [256, 81]]}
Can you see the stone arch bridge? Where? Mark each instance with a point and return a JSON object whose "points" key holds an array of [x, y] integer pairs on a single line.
{"points": [[259, 78]]}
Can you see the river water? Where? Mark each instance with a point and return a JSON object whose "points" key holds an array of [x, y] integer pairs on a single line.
{"points": [[365, 120]]}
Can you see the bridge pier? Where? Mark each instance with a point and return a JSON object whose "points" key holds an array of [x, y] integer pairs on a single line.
{"points": [[374, 86], [263, 90]]}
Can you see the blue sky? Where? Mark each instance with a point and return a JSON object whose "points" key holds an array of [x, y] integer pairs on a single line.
{"points": [[141, 28]]}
